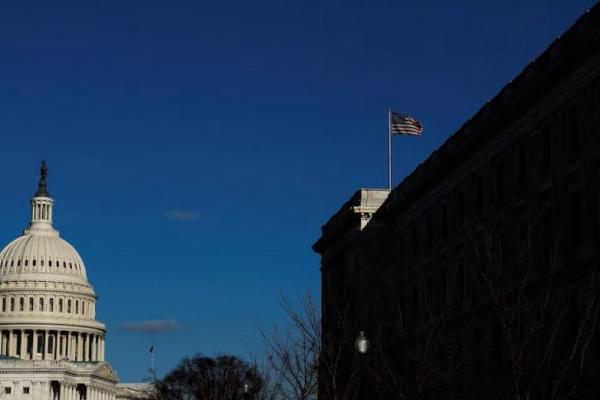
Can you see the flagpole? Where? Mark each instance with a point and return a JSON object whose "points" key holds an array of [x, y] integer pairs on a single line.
{"points": [[389, 148]]}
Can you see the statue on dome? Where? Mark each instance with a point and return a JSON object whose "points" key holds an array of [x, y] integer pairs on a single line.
{"points": [[42, 186]]}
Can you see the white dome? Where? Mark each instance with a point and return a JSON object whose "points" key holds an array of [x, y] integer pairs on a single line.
{"points": [[32, 253], [44, 288]]}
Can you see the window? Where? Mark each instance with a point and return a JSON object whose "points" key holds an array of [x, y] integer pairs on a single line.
{"points": [[50, 344], [26, 262], [21, 304], [26, 390], [60, 305], [547, 223], [69, 306], [76, 306], [3, 304], [400, 249], [461, 208], [64, 264], [49, 263], [83, 307], [415, 301], [31, 304], [7, 390], [12, 304], [33, 262], [41, 304], [573, 130], [546, 152], [575, 218], [51, 305], [415, 242], [500, 183], [429, 233], [444, 285], [445, 220], [479, 196], [522, 167]]}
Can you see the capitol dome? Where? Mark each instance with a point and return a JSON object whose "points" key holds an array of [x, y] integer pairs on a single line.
{"points": [[47, 306], [32, 253]]}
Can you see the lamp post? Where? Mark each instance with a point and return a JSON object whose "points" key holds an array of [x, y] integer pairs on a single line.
{"points": [[361, 343], [246, 394]]}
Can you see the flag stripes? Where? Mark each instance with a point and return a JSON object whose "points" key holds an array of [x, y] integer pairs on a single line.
{"points": [[404, 125]]}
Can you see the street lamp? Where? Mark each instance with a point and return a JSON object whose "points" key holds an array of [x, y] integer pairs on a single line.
{"points": [[246, 391], [361, 343]]}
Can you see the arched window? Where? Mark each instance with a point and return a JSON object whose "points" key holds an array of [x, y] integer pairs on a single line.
{"points": [[3, 304], [12, 263], [64, 264], [18, 262], [76, 306], [21, 304], [41, 304], [83, 307], [69, 306], [60, 305], [51, 305], [26, 262], [12, 304], [33, 262], [49, 263], [31, 304], [42, 262]]}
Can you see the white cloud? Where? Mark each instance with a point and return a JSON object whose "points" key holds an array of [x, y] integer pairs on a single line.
{"points": [[151, 326], [177, 214]]}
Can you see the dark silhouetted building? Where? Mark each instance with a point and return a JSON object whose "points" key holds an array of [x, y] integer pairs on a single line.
{"points": [[510, 201]]}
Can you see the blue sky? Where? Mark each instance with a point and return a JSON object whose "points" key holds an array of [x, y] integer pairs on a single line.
{"points": [[195, 148]]}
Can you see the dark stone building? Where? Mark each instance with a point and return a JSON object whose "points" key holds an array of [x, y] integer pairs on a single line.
{"points": [[476, 275]]}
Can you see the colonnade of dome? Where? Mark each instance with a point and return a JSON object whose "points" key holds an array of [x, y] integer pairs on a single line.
{"points": [[51, 344]]}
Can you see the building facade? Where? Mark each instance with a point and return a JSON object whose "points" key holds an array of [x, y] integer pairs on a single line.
{"points": [[51, 345], [522, 176]]}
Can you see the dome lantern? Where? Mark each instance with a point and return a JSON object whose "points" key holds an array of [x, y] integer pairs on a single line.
{"points": [[41, 206]]}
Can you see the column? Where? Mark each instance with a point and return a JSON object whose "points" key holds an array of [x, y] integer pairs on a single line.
{"points": [[34, 345], [84, 345], [79, 347], [72, 345], [45, 389], [94, 343], [56, 337], [45, 348], [63, 344], [9, 343], [102, 348], [23, 354]]}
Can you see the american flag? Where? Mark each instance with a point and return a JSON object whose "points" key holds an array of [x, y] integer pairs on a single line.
{"points": [[404, 125]]}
